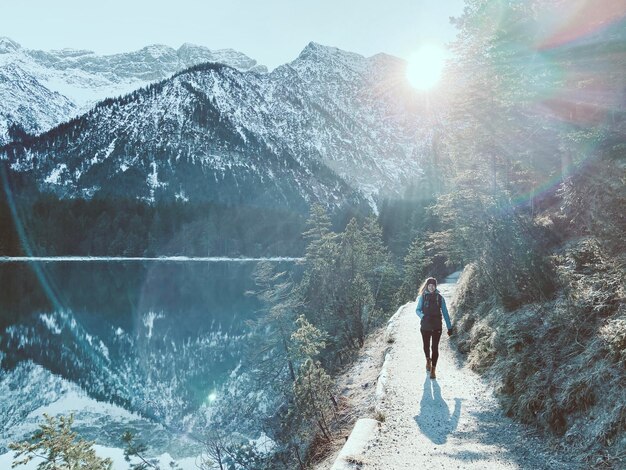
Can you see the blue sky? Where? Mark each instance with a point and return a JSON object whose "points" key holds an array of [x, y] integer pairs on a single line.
{"points": [[272, 31]]}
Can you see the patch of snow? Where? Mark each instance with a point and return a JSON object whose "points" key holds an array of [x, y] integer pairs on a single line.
{"points": [[364, 431], [89, 192], [263, 444], [381, 383], [77, 402], [148, 321], [51, 323], [105, 350], [181, 196], [55, 175]]}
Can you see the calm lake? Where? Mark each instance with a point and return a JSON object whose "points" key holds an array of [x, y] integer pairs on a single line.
{"points": [[124, 344]]}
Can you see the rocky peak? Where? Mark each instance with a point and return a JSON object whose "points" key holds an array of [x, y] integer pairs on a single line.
{"points": [[189, 48], [317, 51], [8, 46], [158, 51], [192, 54], [317, 61], [386, 60]]}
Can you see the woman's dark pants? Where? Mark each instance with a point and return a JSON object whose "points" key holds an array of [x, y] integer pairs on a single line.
{"points": [[436, 336]]}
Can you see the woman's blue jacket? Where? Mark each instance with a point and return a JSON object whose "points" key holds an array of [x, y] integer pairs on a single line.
{"points": [[444, 309]]}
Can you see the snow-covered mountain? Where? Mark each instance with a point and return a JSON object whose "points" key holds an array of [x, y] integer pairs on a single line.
{"points": [[381, 132], [207, 134], [322, 128], [39, 89], [25, 101]]}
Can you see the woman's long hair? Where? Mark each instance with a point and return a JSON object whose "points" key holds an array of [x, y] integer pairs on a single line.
{"points": [[422, 289]]}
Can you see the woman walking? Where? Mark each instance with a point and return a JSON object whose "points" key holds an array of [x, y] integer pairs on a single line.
{"points": [[430, 307]]}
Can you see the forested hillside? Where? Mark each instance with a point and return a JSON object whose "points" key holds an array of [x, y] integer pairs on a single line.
{"points": [[532, 145], [315, 326], [51, 226]]}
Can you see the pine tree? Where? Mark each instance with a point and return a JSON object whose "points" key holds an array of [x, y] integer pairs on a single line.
{"points": [[307, 341], [134, 449], [277, 293], [317, 231], [379, 270], [319, 286], [312, 390], [59, 447], [414, 270]]}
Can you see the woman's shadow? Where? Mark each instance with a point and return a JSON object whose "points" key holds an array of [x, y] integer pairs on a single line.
{"points": [[434, 418]]}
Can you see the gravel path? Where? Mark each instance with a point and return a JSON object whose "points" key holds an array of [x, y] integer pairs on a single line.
{"points": [[448, 423]]}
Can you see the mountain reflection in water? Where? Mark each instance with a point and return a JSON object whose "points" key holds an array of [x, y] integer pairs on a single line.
{"points": [[154, 338]]}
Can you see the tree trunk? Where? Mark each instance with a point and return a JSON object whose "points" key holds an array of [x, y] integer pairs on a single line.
{"points": [[335, 404], [300, 463]]}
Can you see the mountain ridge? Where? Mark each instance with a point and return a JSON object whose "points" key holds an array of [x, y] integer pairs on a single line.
{"points": [[83, 77], [330, 119]]}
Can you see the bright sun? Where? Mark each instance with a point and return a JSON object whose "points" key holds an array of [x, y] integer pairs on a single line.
{"points": [[425, 66]]}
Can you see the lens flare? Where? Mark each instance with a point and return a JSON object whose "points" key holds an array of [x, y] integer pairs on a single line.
{"points": [[572, 21], [24, 242]]}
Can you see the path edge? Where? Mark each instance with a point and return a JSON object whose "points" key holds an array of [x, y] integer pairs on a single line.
{"points": [[365, 429]]}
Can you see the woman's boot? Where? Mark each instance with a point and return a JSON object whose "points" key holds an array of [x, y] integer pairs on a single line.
{"points": [[428, 364], [432, 373]]}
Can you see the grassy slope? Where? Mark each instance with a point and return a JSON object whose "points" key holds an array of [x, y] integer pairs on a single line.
{"points": [[560, 364]]}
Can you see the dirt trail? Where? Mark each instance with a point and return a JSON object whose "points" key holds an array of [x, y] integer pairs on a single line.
{"points": [[448, 423]]}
